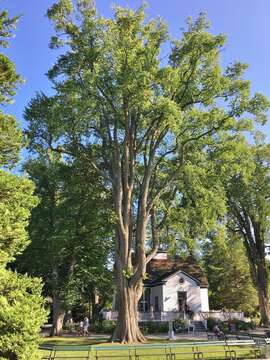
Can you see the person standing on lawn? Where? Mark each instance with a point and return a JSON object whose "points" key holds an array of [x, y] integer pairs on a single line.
{"points": [[85, 326]]}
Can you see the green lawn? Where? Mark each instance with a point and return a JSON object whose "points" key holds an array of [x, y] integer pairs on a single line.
{"points": [[210, 352]]}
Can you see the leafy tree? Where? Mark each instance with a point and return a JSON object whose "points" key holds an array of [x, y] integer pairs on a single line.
{"points": [[135, 121], [70, 234], [21, 303], [230, 282], [197, 205], [238, 174], [249, 210]]}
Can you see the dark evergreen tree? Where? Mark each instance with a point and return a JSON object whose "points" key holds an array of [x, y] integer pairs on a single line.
{"points": [[230, 282]]}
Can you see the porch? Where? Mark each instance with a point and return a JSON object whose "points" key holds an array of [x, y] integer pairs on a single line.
{"points": [[149, 316], [173, 315]]}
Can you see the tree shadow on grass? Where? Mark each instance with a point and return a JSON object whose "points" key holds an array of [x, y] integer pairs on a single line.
{"points": [[73, 341]]}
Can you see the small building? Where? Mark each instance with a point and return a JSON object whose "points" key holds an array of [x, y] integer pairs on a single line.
{"points": [[174, 285], [173, 288]]}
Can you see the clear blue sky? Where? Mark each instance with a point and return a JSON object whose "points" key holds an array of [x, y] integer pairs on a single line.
{"points": [[245, 22]]}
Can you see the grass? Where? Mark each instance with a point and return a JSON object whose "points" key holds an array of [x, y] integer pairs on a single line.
{"points": [[185, 353]]}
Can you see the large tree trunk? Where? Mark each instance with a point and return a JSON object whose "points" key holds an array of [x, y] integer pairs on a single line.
{"points": [[127, 329], [58, 317], [95, 306], [262, 288], [132, 210], [264, 308], [130, 271], [255, 246]]}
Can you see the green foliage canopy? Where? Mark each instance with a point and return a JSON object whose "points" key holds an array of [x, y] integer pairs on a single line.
{"points": [[143, 126], [21, 304]]}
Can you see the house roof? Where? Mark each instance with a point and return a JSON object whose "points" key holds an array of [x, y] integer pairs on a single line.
{"points": [[159, 270]]}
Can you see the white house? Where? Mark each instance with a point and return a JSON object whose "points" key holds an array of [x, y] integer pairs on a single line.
{"points": [[174, 287]]}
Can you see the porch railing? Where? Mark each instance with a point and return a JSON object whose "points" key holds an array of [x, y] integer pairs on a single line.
{"points": [[173, 315], [149, 316], [222, 315]]}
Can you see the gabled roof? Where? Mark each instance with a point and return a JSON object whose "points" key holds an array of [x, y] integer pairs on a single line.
{"points": [[159, 270]]}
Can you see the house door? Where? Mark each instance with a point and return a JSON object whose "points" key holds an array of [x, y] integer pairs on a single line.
{"points": [[182, 300]]}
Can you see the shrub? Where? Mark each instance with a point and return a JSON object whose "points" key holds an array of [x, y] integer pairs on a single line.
{"points": [[103, 326], [243, 325], [22, 314], [180, 324], [148, 327], [211, 322], [153, 327], [224, 325], [253, 324], [144, 329]]}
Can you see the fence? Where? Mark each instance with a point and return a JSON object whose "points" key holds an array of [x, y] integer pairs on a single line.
{"points": [[222, 315], [173, 315], [149, 316]]}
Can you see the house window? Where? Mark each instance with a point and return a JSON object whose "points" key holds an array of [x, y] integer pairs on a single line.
{"points": [[147, 299], [144, 303], [156, 304]]}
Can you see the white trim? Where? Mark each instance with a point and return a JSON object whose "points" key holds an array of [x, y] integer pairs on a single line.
{"points": [[184, 273]]}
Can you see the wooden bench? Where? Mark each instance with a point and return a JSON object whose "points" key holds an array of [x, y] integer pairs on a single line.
{"points": [[227, 349], [141, 352], [120, 351], [53, 349], [167, 351], [232, 349], [189, 350], [259, 338], [238, 346]]}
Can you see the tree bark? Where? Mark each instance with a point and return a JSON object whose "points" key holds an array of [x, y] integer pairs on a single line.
{"points": [[260, 281], [127, 329], [58, 317], [262, 288], [95, 306], [132, 208], [254, 242]]}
